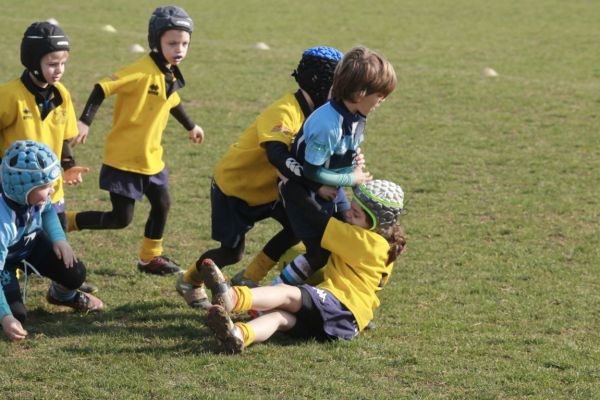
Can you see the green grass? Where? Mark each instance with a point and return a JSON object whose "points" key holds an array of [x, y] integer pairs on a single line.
{"points": [[498, 295]]}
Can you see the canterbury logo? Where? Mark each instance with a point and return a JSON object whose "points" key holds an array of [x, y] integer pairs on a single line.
{"points": [[153, 89], [294, 166]]}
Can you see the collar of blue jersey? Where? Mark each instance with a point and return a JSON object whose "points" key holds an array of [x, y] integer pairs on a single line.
{"points": [[21, 210], [342, 109], [47, 98], [169, 73], [348, 118]]}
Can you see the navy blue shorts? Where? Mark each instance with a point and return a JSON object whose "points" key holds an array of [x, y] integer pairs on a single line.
{"points": [[323, 317], [232, 217], [130, 184], [302, 228]]}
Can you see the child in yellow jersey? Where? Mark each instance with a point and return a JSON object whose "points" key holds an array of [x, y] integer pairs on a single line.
{"points": [[244, 186], [36, 106], [133, 164], [363, 250]]}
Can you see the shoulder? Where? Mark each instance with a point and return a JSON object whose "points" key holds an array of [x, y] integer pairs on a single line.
{"points": [[8, 227], [12, 88], [324, 118], [63, 90]]}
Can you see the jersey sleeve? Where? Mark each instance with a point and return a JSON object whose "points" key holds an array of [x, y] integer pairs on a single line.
{"points": [[320, 136], [280, 122], [120, 83]]}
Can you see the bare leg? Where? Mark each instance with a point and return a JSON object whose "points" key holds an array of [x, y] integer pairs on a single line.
{"points": [[269, 323]]}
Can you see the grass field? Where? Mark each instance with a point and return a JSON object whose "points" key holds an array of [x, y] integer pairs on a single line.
{"points": [[498, 296]]}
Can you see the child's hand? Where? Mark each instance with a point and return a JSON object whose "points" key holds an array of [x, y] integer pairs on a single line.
{"points": [[327, 192], [359, 158], [72, 176], [82, 136], [196, 135], [361, 176], [64, 252], [13, 328]]}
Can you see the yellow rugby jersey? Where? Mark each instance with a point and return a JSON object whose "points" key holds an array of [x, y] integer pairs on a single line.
{"points": [[245, 171], [20, 119], [140, 116], [357, 268]]}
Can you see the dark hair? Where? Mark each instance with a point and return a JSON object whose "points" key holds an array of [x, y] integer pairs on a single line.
{"points": [[360, 73]]}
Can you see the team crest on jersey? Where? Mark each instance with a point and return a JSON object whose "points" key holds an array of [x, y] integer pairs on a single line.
{"points": [[153, 89], [281, 129], [27, 114], [60, 116]]}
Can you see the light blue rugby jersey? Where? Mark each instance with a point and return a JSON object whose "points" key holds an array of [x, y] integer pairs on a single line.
{"points": [[330, 137]]}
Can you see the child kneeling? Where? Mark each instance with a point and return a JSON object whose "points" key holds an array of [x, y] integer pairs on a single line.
{"points": [[31, 237], [363, 250]]}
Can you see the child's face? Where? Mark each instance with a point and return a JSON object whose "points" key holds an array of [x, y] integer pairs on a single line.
{"points": [[368, 103], [174, 45], [357, 216], [39, 195], [53, 66]]}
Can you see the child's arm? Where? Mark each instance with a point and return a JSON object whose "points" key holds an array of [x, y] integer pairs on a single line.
{"points": [[53, 229], [326, 176], [10, 325], [72, 173], [89, 112], [196, 133]]}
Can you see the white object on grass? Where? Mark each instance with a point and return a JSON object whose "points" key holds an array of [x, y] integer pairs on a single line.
{"points": [[261, 46], [136, 48], [488, 72], [109, 28]]}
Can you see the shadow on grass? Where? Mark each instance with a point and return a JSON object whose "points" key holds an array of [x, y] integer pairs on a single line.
{"points": [[150, 327]]}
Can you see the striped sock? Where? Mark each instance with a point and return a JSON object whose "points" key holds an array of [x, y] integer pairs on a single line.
{"points": [[296, 272]]}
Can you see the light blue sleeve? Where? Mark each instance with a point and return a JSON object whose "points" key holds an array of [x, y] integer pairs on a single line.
{"points": [[51, 224], [7, 234], [321, 134]]}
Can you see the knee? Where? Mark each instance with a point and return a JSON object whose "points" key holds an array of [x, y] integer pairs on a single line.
{"points": [[121, 220], [74, 277]]}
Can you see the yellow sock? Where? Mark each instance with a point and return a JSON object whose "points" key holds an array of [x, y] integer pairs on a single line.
{"points": [[244, 298], [259, 267], [290, 254], [247, 332], [192, 276], [150, 248], [71, 221]]}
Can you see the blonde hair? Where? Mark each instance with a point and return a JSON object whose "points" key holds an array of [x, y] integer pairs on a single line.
{"points": [[360, 73]]}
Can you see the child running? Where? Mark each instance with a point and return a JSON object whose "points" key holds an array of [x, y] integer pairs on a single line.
{"points": [[37, 106], [31, 237], [329, 148], [133, 164], [244, 187], [363, 250]]}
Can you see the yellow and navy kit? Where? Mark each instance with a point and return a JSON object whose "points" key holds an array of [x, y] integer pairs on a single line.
{"points": [[357, 268], [141, 113], [21, 118], [280, 122]]}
